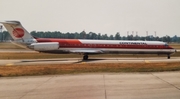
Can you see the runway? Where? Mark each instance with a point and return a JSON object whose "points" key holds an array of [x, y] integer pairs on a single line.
{"points": [[165, 85], [93, 60]]}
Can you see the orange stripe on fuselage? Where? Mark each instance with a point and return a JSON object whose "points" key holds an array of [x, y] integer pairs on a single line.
{"points": [[61, 41]]}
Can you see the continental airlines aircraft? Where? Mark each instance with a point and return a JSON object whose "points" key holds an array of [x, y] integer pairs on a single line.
{"points": [[84, 47]]}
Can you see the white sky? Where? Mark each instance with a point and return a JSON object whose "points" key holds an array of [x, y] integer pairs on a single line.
{"points": [[99, 16]]}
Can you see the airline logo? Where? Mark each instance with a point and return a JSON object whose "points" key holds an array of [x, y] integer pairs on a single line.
{"points": [[18, 32]]}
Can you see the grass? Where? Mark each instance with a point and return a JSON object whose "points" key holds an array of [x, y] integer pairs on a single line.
{"points": [[30, 70], [36, 56], [176, 45], [8, 46]]}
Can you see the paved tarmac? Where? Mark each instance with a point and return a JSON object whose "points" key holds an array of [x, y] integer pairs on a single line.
{"points": [[164, 85], [79, 60]]}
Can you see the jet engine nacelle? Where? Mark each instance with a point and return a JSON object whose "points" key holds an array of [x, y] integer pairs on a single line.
{"points": [[45, 46]]}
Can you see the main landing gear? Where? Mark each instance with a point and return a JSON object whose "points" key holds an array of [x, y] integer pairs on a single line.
{"points": [[168, 56], [85, 57]]}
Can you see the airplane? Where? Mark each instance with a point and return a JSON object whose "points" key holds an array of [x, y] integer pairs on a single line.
{"points": [[85, 47]]}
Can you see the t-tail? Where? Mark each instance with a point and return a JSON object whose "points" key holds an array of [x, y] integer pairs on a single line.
{"points": [[24, 39], [18, 33]]}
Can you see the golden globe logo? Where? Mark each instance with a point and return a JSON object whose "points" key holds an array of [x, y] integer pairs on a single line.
{"points": [[18, 32]]}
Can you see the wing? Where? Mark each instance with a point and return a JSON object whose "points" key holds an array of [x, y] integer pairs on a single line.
{"points": [[86, 51]]}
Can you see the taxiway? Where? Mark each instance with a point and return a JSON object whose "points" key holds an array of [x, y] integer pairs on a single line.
{"points": [[165, 85], [93, 60]]}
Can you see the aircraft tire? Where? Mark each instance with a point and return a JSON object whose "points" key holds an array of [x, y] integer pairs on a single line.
{"points": [[85, 57], [168, 56]]}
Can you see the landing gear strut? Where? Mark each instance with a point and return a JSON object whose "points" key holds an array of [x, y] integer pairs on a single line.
{"points": [[85, 57], [168, 57]]}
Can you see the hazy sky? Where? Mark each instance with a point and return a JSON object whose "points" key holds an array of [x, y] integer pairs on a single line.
{"points": [[99, 16]]}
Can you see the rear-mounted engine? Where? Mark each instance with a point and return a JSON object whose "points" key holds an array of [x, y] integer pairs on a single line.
{"points": [[45, 46]]}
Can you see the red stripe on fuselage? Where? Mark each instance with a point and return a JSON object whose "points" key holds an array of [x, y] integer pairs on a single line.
{"points": [[75, 43], [61, 41]]}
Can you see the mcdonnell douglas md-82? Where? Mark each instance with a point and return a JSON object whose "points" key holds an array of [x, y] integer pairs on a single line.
{"points": [[82, 46]]}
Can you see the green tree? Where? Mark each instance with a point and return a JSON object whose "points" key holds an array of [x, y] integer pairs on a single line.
{"points": [[117, 36], [99, 36], [83, 35], [111, 37], [105, 37]]}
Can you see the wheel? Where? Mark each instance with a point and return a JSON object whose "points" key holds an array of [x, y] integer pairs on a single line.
{"points": [[85, 57], [168, 56]]}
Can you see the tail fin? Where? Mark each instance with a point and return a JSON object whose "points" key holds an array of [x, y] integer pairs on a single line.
{"points": [[18, 32]]}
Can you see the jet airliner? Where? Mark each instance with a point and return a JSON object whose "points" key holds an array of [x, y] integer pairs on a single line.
{"points": [[85, 47]]}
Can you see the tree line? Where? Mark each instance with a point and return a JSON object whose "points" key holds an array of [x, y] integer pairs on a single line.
{"points": [[4, 36]]}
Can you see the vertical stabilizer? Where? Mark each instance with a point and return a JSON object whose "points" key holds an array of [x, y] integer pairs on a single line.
{"points": [[18, 32]]}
